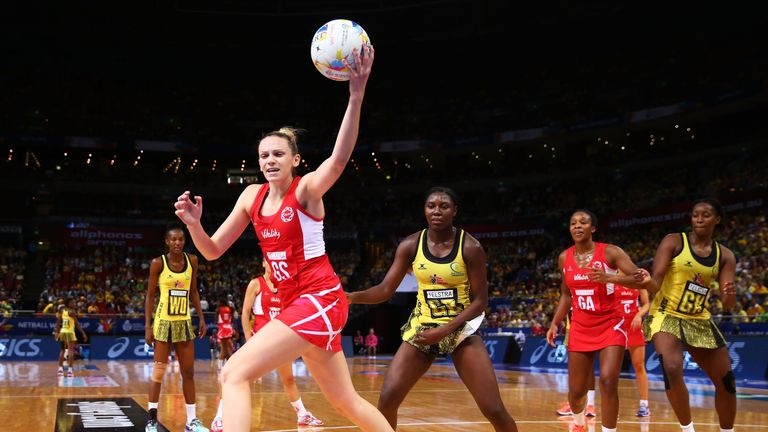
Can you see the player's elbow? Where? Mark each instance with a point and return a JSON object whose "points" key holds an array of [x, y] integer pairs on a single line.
{"points": [[211, 254], [386, 291], [379, 294]]}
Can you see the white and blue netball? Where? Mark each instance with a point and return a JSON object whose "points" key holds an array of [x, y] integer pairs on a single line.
{"points": [[333, 42]]}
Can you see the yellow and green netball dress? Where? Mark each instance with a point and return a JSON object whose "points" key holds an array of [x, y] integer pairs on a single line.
{"points": [[173, 321], [67, 330], [680, 306], [443, 293]]}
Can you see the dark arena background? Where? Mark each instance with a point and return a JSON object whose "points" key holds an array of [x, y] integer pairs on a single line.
{"points": [[528, 110]]}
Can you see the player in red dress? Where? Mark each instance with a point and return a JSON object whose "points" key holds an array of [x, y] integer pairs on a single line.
{"points": [[225, 331], [590, 272], [287, 213], [633, 320]]}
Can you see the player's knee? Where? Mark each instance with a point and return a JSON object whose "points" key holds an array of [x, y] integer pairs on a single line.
{"points": [[230, 375], [158, 372], [495, 413], [226, 375], [387, 401], [576, 392], [639, 366], [345, 402], [188, 372], [671, 372], [288, 380], [671, 369], [608, 381], [729, 382], [391, 396]]}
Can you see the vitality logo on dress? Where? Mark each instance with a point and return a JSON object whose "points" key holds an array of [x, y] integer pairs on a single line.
{"points": [[269, 233]]}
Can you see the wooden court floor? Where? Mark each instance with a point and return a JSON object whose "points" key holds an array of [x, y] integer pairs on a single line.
{"points": [[30, 394]]}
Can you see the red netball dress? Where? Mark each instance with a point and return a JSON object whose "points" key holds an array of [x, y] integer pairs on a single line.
{"points": [[313, 302], [266, 306], [224, 322], [595, 322], [628, 309]]}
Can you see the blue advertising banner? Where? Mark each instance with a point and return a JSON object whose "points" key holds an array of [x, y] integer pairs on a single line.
{"points": [[44, 325], [34, 348], [538, 353], [501, 348], [120, 348], [28, 325], [135, 348], [203, 348], [347, 346], [749, 357]]}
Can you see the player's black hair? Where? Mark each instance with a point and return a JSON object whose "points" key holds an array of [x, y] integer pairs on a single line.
{"points": [[442, 189], [716, 206], [174, 227], [590, 213]]}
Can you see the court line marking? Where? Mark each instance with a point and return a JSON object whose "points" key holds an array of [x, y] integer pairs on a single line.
{"points": [[455, 423], [278, 392], [459, 423], [202, 394]]}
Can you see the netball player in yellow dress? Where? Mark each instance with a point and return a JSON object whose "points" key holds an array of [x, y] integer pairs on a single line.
{"points": [[175, 276], [450, 267], [66, 322], [686, 269]]}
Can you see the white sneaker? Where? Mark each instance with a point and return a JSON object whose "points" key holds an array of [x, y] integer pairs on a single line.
{"points": [[195, 426], [307, 419], [217, 425]]}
